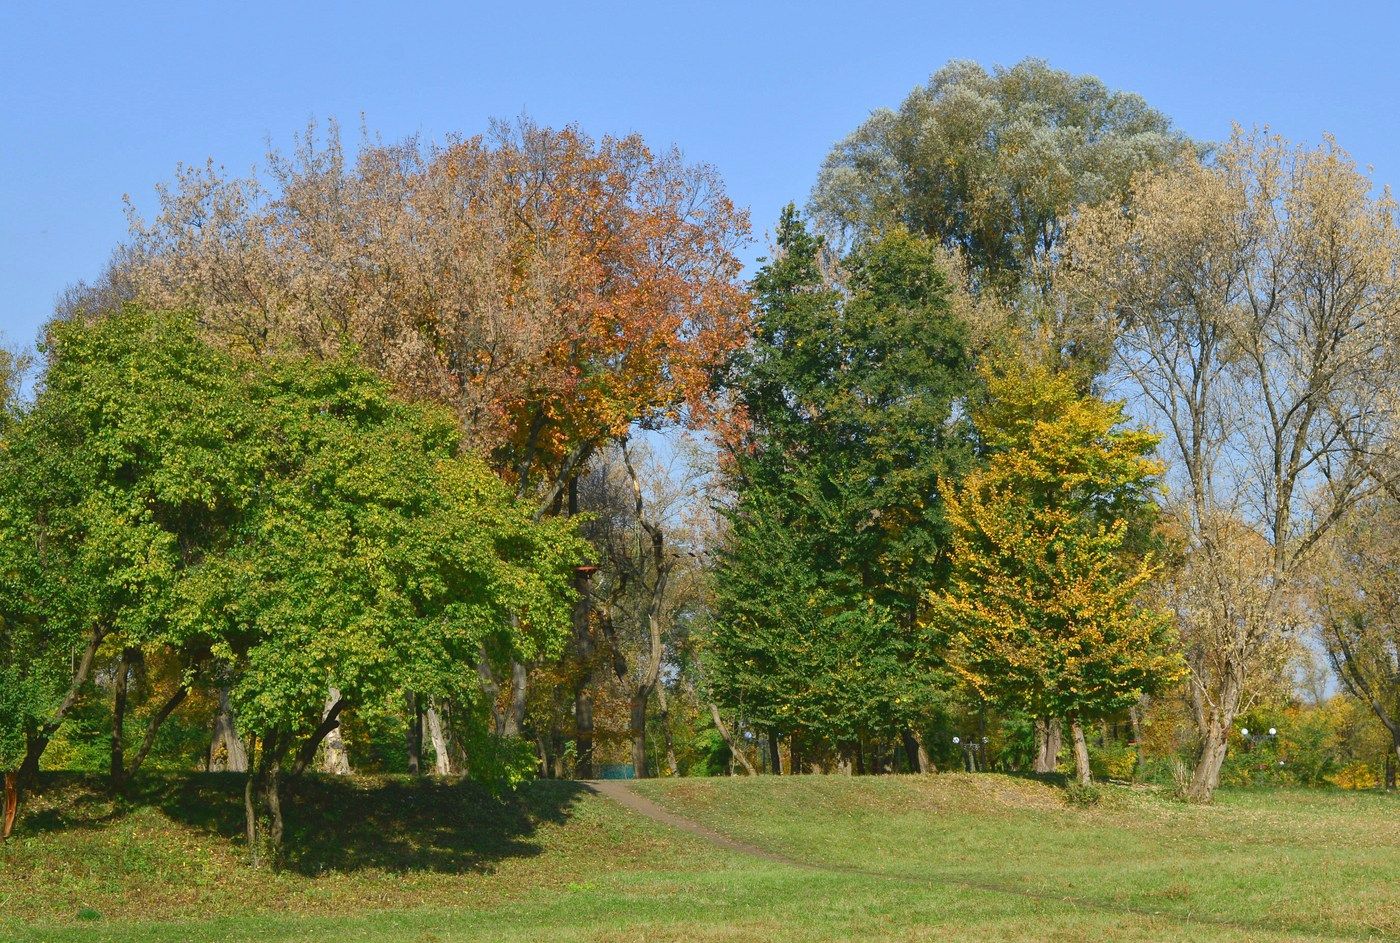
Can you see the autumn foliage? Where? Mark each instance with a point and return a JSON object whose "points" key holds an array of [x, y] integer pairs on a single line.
{"points": [[551, 288], [1045, 609]]}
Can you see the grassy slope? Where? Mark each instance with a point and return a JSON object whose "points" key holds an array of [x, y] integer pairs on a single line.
{"points": [[975, 858]]}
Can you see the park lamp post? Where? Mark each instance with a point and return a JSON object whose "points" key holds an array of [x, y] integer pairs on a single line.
{"points": [[1254, 739], [974, 752]]}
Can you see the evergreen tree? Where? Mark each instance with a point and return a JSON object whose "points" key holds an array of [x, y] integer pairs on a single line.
{"points": [[853, 391]]}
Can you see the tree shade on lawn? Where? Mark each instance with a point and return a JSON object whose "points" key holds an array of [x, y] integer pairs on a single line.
{"points": [[286, 525]]}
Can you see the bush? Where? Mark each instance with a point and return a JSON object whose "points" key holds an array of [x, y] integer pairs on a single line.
{"points": [[1081, 795], [1117, 761], [1358, 775]]}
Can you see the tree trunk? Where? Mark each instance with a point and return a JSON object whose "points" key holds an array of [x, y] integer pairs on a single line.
{"points": [[583, 738], [492, 688], [664, 715], [1047, 744], [11, 805], [734, 752], [638, 725], [272, 795], [1081, 753], [1215, 742], [583, 694], [912, 753], [39, 741], [515, 710], [1214, 717], [413, 734], [442, 758], [153, 728], [775, 756], [250, 811], [226, 750], [336, 759], [119, 684], [926, 763]]}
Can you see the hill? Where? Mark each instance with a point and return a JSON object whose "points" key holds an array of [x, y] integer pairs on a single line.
{"points": [[882, 858]]}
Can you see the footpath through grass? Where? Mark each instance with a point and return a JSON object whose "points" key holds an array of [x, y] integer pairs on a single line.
{"points": [[895, 858]]}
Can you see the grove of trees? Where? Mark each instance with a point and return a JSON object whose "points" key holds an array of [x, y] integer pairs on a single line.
{"points": [[483, 458]]}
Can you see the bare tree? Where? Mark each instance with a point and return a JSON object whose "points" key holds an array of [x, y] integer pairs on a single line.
{"points": [[1254, 298], [648, 587]]}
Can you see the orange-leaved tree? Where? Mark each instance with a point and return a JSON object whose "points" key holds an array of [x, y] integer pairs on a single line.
{"points": [[552, 288]]}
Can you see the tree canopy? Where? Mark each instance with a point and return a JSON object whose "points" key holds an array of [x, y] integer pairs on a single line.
{"points": [[993, 163], [852, 391]]}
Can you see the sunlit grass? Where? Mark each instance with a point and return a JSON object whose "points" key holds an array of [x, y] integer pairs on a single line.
{"points": [[892, 858]]}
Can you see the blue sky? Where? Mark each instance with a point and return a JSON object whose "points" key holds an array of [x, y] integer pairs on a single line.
{"points": [[101, 99]]}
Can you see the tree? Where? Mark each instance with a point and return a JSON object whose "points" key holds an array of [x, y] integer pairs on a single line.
{"points": [[641, 515], [853, 394], [377, 561], [552, 290], [993, 164], [17, 695], [111, 493], [1043, 611], [1253, 299], [283, 525], [1358, 597]]}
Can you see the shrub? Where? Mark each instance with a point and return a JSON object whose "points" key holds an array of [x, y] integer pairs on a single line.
{"points": [[1116, 761], [1081, 795], [1358, 775]]}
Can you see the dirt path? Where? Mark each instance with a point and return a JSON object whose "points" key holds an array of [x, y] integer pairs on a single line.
{"points": [[618, 791]]}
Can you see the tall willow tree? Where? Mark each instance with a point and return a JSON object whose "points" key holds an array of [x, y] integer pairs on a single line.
{"points": [[993, 164], [853, 395]]}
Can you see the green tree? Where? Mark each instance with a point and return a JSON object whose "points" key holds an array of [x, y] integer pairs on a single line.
{"points": [[853, 394], [1044, 611], [123, 475], [992, 163], [287, 525], [376, 561]]}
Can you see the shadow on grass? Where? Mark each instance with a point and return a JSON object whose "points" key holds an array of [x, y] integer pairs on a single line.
{"points": [[390, 823]]}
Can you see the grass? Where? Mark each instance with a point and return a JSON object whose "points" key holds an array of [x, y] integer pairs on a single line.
{"points": [[885, 858]]}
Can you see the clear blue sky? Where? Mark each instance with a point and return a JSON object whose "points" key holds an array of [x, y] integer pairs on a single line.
{"points": [[101, 99]]}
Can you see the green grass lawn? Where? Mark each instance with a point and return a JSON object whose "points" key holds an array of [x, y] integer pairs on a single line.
{"points": [[886, 858]]}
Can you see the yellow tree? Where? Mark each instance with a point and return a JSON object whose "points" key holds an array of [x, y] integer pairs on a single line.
{"points": [[1044, 611]]}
